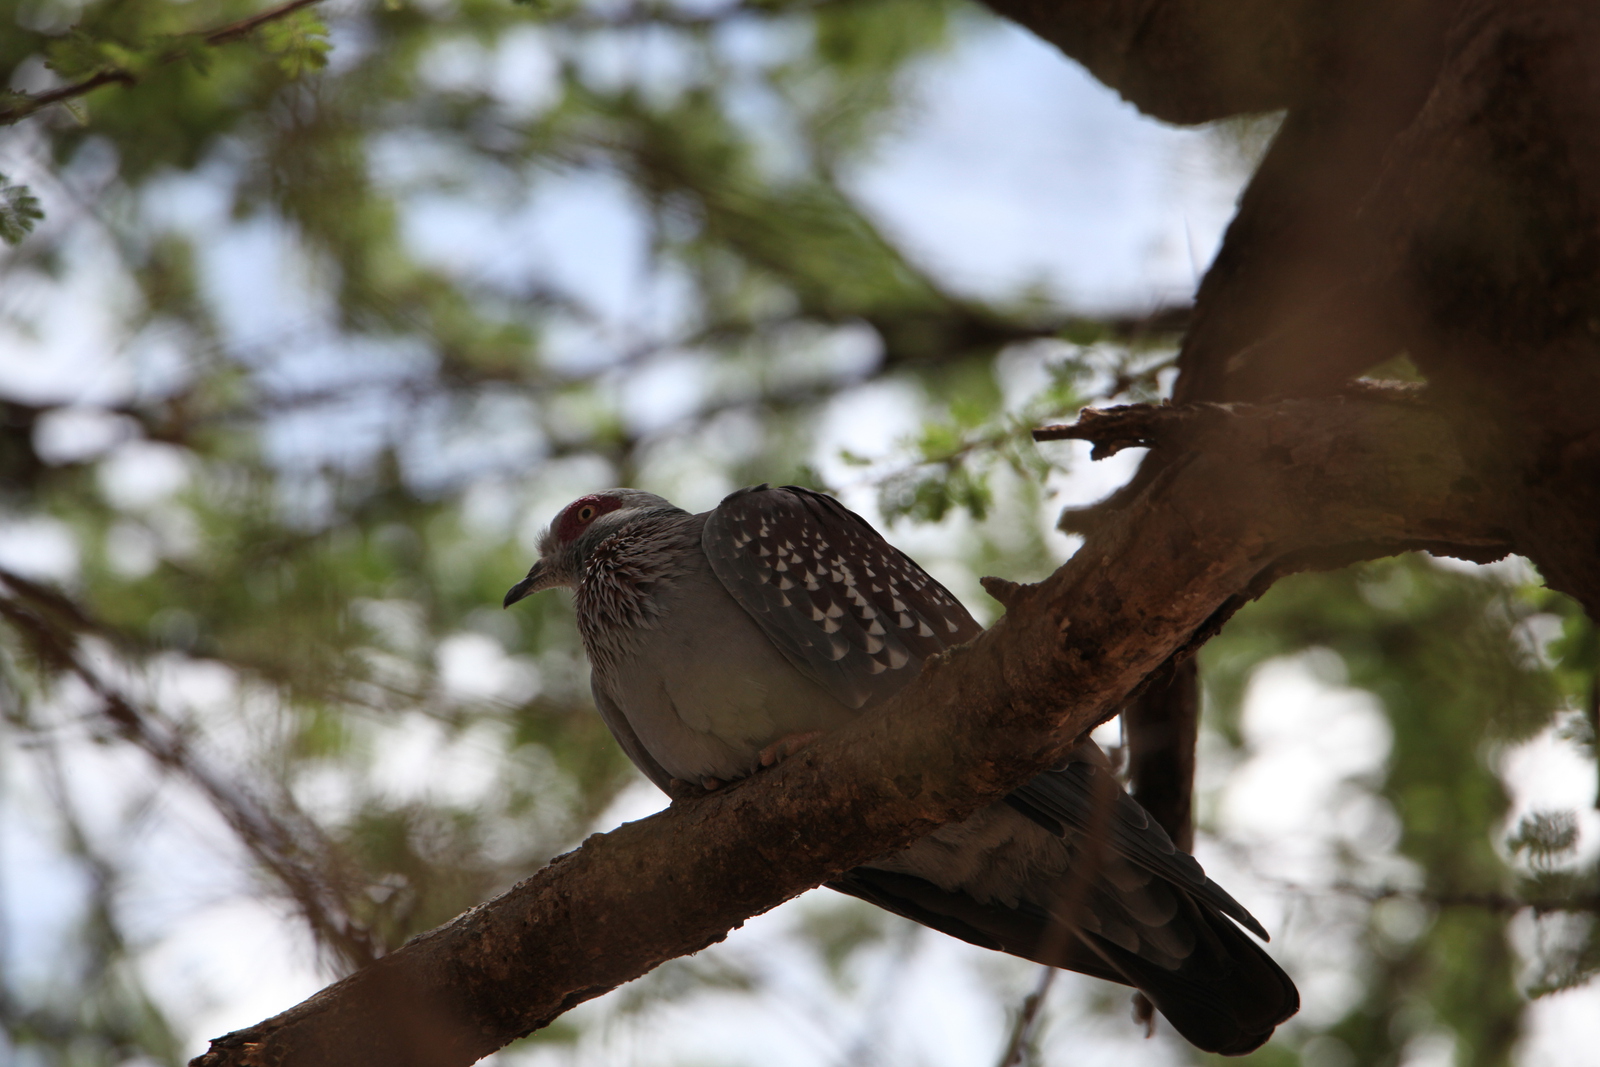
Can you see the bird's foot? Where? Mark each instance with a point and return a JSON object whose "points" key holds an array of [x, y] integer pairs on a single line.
{"points": [[1144, 1013], [784, 747], [678, 789]]}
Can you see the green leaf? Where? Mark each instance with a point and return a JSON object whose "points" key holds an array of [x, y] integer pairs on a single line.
{"points": [[854, 459], [190, 49], [19, 210], [78, 55], [1544, 835], [300, 41], [74, 55]]}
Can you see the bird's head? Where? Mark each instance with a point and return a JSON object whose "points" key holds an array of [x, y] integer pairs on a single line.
{"points": [[573, 534]]}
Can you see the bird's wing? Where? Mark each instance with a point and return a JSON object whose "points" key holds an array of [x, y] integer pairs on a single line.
{"points": [[1082, 797], [856, 616], [849, 610], [1019, 931]]}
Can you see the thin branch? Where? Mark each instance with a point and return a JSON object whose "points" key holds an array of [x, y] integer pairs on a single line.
{"points": [[1499, 903], [233, 31], [1027, 1021], [293, 850]]}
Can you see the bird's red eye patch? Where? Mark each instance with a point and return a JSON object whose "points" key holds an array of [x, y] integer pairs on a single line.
{"points": [[581, 512]]}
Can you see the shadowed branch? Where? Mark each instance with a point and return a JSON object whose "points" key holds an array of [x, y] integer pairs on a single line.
{"points": [[1266, 490]]}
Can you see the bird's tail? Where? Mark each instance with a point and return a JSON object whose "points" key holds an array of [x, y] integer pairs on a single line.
{"points": [[1225, 994]]}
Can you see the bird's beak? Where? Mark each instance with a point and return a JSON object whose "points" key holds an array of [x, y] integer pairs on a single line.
{"points": [[538, 578]]}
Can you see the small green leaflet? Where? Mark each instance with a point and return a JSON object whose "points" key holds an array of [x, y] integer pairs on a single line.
{"points": [[300, 41], [19, 210]]}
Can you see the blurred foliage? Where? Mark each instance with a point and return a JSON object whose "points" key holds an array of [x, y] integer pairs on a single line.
{"points": [[19, 211], [340, 372], [318, 442], [1461, 665]]}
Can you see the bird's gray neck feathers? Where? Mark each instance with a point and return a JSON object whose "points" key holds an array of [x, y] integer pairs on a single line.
{"points": [[625, 577]]}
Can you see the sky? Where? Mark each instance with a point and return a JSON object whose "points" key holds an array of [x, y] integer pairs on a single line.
{"points": [[1013, 167]]}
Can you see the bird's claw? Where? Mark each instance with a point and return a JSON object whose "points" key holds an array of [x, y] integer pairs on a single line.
{"points": [[679, 789], [1144, 1013], [784, 747]]}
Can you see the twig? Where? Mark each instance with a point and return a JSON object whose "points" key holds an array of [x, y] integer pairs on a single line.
{"points": [[233, 31], [300, 857], [1022, 1031], [245, 27], [1498, 903], [1001, 589], [1592, 713], [1125, 426]]}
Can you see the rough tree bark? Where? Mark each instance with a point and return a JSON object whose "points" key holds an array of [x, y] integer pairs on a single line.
{"points": [[1435, 190]]}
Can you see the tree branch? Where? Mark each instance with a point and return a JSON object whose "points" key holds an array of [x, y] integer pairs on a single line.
{"points": [[1259, 491], [1190, 61], [233, 31]]}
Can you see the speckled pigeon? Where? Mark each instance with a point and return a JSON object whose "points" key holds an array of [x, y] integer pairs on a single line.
{"points": [[720, 642]]}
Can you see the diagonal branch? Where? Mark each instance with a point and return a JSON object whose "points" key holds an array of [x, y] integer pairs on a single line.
{"points": [[233, 31], [1251, 492], [283, 841]]}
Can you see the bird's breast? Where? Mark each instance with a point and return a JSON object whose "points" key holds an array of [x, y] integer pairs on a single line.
{"points": [[700, 684]]}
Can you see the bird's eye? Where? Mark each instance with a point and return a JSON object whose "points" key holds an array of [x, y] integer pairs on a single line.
{"points": [[586, 513]]}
